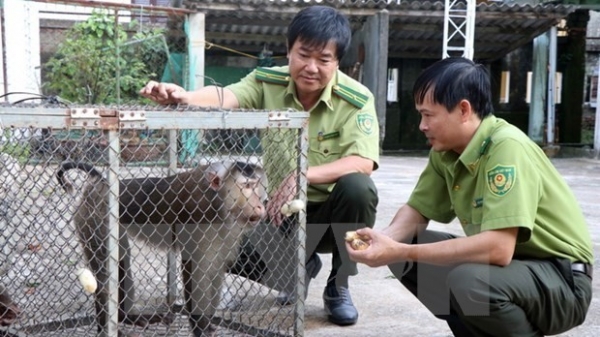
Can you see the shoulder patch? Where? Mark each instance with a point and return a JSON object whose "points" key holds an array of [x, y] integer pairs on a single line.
{"points": [[351, 96], [365, 123], [501, 179], [272, 76]]}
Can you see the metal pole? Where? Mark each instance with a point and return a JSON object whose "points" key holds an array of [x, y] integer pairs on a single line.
{"points": [[470, 30], [301, 237], [551, 87], [118, 54], [446, 23], [172, 264], [597, 124], [113, 238]]}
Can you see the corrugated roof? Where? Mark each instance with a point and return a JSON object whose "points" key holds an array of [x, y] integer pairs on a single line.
{"points": [[416, 27]]}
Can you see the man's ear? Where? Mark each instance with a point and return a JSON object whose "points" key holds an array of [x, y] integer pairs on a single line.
{"points": [[466, 110]]}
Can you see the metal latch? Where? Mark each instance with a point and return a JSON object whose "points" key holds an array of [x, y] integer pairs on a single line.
{"points": [[84, 117], [278, 119], [106, 119], [132, 119]]}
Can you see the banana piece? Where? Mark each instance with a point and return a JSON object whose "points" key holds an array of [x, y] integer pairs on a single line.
{"points": [[357, 242], [291, 207], [87, 280]]}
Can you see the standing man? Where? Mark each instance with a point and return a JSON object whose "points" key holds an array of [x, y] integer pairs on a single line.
{"points": [[343, 142], [524, 267]]}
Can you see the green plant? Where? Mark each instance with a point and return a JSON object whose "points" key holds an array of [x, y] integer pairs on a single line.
{"points": [[98, 64], [19, 150]]}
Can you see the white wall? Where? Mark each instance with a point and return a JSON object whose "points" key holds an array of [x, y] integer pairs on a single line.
{"points": [[22, 40]]}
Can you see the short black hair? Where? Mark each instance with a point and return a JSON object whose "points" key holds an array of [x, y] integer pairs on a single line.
{"points": [[317, 25], [454, 79]]}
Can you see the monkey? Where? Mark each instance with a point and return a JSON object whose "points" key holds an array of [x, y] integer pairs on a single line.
{"points": [[202, 212]]}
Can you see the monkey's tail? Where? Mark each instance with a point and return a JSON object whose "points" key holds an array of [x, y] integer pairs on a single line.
{"points": [[66, 166]]}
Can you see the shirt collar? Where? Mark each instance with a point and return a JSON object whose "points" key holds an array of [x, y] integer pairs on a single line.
{"points": [[325, 95], [477, 146]]}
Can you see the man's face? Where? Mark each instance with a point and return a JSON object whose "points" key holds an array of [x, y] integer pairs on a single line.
{"points": [[312, 68], [443, 128]]}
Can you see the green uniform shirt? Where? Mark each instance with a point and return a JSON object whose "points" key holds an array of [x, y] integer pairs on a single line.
{"points": [[503, 180], [342, 123]]}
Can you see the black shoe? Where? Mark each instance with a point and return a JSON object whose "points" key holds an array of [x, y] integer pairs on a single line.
{"points": [[313, 266], [338, 306]]}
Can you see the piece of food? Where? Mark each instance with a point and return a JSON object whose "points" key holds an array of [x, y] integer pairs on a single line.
{"points": [[353, 235], [356, 241], [291, 207], [358, 244], [87, 280]]}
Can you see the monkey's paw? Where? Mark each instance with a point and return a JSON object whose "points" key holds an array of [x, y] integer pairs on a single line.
{"points": [[87, 280]]}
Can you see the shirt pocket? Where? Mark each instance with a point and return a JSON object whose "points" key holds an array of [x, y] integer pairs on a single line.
{"points": [[473, 225], [477, 216], [324, 151]]}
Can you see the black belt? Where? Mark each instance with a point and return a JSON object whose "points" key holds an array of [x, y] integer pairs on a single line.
{"points": [[583, 268]]}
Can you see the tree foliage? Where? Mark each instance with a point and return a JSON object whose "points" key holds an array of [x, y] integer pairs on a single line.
{"points": [[87, 68]]}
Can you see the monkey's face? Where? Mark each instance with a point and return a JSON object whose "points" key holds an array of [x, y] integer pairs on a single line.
{"points": [[246, 198]]}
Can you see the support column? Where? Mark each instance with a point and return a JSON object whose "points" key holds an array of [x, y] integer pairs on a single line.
{"points": [[194, 79], [539, 83], [571, 107], [597, 123], [551, 119], [375, 66], [196, 46]]}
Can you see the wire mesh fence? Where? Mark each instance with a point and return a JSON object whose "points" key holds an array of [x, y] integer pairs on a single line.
{"points": [[175, 247]]}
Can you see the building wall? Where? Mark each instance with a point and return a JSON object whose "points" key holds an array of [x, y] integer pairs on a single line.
{"points": [[591, 69], [22, 62]]}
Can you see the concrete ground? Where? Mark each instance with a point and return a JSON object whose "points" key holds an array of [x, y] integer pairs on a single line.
{"points": [[386, 308]]}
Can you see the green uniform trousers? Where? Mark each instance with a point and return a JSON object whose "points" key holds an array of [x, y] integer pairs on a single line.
{"points": [[526, 298], [351, 205]]}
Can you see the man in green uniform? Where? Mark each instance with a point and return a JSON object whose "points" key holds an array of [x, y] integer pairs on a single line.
{"points": [[524, 267], [343, 142]]}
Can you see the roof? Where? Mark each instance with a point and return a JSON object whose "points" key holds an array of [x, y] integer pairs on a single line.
{"points": [[416, 27]]}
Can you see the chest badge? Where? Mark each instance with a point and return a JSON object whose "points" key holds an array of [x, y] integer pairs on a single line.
{"points": [[501, 179]]}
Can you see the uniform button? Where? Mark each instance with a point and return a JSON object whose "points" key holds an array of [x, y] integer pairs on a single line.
{"points": [[325, 151], [456, 187], [463, 222]]}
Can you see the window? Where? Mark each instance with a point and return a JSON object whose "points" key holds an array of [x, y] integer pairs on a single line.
{"points": [[557, 88], [148, 15], [592, 91], [505, 87], [392, 82]]}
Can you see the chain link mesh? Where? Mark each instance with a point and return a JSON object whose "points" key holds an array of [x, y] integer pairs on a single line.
{"points": [[41, 252]]}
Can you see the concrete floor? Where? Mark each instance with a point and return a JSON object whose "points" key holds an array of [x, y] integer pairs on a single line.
{"points": [[386, 308]]}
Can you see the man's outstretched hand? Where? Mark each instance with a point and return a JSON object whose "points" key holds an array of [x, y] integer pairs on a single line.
{"points": [[165, 93]]}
